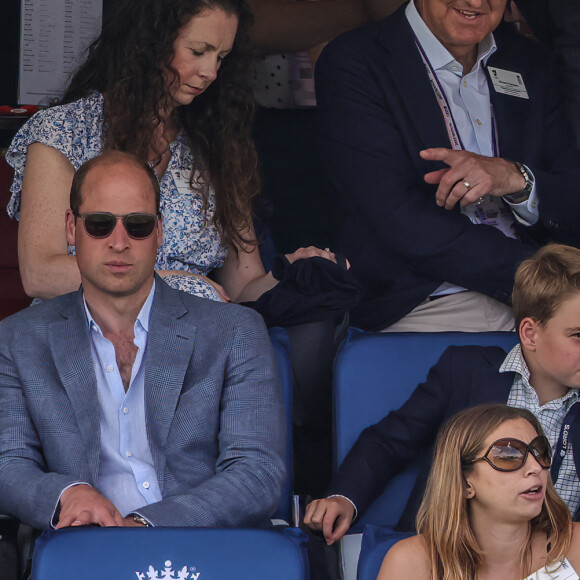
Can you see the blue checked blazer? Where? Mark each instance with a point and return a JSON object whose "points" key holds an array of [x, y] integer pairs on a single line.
{"points": [[214, 415]]}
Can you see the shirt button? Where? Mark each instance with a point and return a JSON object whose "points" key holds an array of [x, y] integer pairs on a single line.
{"points": [[125, 410], [110, 368], [146, 484], [464, 83], [128, 454], [478, 122], [455, 67]]}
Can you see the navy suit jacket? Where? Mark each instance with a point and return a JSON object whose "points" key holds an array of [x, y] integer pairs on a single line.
{"points": [[214, 415], [463, 377], [377, 112]]}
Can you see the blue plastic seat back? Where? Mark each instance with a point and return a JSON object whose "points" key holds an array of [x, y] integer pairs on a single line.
{"points": [[376, 542], [182, 553], [281, 345], [377, 372]]}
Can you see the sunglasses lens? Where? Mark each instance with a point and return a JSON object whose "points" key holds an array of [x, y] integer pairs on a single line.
{"points": [[510, 454], [542, 451], [99, 225], [507, 455], [102, 224], [140, 225]]}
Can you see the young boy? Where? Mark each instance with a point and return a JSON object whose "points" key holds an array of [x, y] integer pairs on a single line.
{"points": [[541, 374]]}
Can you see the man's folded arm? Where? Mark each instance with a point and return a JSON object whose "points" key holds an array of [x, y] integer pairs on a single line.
{"points": [[246, 487], [557, 171], [27, 490]]}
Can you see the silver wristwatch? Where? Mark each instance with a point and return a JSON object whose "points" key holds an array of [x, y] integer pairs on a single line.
{"points": [[141, 520], [521, 196]]}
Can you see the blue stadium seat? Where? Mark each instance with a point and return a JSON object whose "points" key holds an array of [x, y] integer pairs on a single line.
{"points": [[375, 373], [93, 553], [376, 542]]}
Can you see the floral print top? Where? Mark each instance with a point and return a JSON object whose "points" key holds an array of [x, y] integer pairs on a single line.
{"points": [[190, 242]]}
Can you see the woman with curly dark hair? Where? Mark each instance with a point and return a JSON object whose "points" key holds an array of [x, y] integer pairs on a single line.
{"points": [[150, 86]]}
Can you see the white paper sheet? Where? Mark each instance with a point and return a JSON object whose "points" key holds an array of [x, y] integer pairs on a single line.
{"points": [[53, 37]]}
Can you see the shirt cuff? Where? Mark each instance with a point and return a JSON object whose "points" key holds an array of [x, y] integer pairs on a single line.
{"points": [[355, 513], [56, 512], [526, 212]]}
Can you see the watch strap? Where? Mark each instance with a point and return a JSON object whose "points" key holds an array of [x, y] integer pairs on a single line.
{"points": [[522, 195], [141, 520]]}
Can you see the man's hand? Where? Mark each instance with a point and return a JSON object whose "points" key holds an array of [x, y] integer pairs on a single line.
{"points": [[471, 176], [332, 516], [82, 505]]}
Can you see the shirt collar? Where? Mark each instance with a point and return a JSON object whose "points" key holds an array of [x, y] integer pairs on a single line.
{"points": [[515, 362], [439, 56], [142, 318]]}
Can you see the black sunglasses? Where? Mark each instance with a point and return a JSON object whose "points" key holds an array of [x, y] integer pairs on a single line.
{"points": [[511, 454], [100, 224]]}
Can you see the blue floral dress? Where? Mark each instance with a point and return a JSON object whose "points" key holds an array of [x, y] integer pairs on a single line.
{"points": [[190, 242]]}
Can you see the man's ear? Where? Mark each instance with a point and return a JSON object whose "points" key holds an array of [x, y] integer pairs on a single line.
{"points": [[528, 333], [469, 492], [70, 227]]}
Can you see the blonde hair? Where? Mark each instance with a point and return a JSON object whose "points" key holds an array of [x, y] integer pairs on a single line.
{"points": [[443, 517], [544, 281]]}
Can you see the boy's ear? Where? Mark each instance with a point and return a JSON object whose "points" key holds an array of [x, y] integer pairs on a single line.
{"points": [[528, 333]]}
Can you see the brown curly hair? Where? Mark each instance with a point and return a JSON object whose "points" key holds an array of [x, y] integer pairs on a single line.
{"points": [[128, 63]]}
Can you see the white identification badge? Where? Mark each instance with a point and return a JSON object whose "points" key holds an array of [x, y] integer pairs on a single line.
{"points": [[562, 571], [508, 83], [181, 180]]}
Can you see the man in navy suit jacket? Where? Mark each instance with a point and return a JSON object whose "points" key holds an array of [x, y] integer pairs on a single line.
{"points": [[412, 228], [541, 374], [129, 403]]}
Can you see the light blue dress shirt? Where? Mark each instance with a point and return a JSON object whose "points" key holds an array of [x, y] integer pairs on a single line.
{"points": [[126, 472]]}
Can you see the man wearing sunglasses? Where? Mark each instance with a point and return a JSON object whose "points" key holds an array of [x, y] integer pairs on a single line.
{"points": [[128, 403], [540, 374]]}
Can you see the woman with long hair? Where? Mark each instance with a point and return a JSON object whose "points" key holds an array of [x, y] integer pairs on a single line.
{"points": [[150, 86], [490, 510]]}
